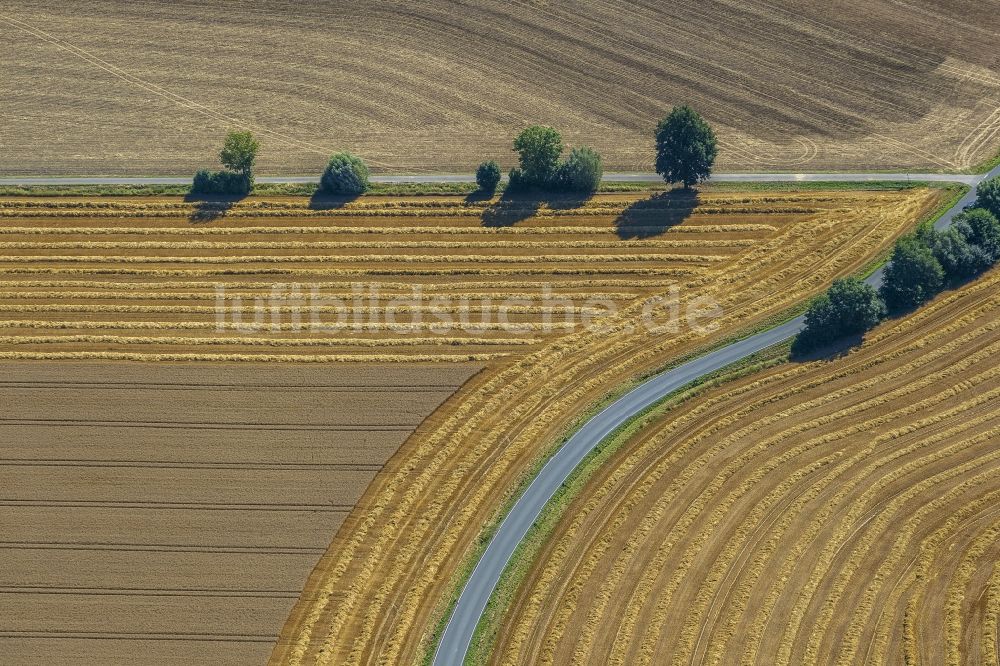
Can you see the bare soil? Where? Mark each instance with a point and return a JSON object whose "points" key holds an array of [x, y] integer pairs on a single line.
{"points": [[147, 88], [170, 514]]}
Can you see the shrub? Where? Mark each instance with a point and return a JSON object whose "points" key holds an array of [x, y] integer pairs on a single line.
{"points": [[988, 195], [581, 172], [239, 151], [685, 147], [538, 148], [913, 275], [220, 182], [345, 174], [488, 176], [849, 307]]}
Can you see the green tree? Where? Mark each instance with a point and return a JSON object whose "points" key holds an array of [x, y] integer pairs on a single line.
{"points": [[957, 257], [581, 172], [849, 307], [980, 228], [538, 148], [239, 152], [685, 147], [345, 174], [488, 177], [988, 195], [913, 275]]}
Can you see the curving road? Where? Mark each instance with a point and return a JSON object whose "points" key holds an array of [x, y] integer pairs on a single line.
{"points": [[461, 625]]}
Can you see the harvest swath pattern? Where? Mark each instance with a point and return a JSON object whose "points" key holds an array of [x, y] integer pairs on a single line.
{"points": [[137, 279], [831, 512], [383, 585]]}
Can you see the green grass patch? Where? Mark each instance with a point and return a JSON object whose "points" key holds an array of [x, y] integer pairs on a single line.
{"points": [[93, 190], [267, 190], [440, 189], [812, 186]]}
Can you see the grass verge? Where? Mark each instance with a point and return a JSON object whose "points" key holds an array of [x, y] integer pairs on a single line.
{"points": [[266, 190], [431, 189], [811, 186]]}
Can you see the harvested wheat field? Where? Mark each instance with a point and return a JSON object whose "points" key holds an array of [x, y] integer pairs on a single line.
{"points": [[170, 513], [439, 86], [839, 511], [286, 279], [383, 585]]}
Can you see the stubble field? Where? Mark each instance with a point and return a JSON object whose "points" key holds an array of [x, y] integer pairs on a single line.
{"points": [[289, 280], [831, 512], [439, 86], [382, 587], [140, 276], [170, 513]]}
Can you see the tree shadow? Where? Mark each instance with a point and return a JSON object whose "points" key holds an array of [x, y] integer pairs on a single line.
{"points": [[478, 197], [209, 208], [320, 201], [514, 207], [830, 352], [653, 216]]}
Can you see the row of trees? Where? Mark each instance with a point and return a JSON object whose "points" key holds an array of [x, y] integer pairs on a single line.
{"points": [[685, 152], [345, 174], [686, 148], [922, 265], [539, 150]]}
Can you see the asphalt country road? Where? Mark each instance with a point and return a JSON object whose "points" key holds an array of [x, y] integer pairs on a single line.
{"points": [[458, 633], [470, 178]]}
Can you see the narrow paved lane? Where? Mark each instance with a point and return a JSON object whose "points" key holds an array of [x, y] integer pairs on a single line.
{"points": [[477, 591], [470, 178]]}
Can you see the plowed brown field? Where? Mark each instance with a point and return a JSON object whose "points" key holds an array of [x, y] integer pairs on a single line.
{"points": [[147, 87], [283, 279], [380, 589], [170, 514], [840, 512]]}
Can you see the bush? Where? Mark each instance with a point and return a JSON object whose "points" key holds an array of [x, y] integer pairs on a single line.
{"points": [[581, 172], [988, 195], [850, 307], [345, 174], [538, 148], [238, 154], [488, 176], [220, 182], [913, 275]]}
